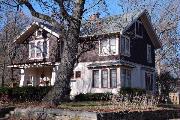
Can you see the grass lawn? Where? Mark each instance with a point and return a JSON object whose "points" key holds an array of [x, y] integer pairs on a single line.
{"points": [[92, 106], [105, 106]]}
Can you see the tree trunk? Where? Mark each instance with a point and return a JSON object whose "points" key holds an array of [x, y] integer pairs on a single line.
{"points": [[61, 90]]}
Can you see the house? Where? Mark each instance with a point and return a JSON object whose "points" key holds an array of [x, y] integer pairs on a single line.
{"points": [[175, 95], [124, 55]]}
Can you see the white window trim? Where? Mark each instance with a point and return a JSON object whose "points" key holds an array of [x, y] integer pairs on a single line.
{"points": [[109, 78], [108, 42], [139, 36], [38, 36], [36, 41], [149, 60], [99, 81], [123, 53]]}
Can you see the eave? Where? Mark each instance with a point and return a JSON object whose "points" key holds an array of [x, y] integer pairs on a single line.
{"points": [[30, 30]]}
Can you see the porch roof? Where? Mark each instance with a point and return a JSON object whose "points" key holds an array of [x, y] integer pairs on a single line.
{"points": [[111, 64], [35, 64]]}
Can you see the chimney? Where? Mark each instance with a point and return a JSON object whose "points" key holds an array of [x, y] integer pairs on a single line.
{"points": [[94, 16]]}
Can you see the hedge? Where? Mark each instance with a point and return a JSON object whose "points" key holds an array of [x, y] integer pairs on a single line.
{"points": [[131, 91], [93, 97], [24, 93]]}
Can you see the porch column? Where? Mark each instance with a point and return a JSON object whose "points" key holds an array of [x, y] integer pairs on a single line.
{"points": [[53, 75], [22, 81]]}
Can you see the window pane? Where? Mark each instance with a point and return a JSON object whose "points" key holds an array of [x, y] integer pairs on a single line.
{"points": [[78, 74], [39, 49], [95, 82], [44, 48], [113, 78], [32, 50], [113, 46], [105, 78], [104, 47]]}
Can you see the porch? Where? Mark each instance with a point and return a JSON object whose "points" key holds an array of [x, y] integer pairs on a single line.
{"points": [[37, 76]]}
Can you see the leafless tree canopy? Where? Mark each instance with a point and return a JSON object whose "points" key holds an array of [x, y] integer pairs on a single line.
{"points": [[68, 15]]}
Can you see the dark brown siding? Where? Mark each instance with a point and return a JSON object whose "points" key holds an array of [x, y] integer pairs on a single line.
{"points": [[138, 48], [22, 56]]}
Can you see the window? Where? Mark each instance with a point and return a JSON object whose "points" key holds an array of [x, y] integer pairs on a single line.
{"points": [[38, 33], [139, 29], [126, 77], [95, 82], [149, 81], [32, 50], [113, 78], [112, 47], [108, 47], [104, 78], [125, 46], [104, 47], [38, 49], [149, 58], [78, 74]]}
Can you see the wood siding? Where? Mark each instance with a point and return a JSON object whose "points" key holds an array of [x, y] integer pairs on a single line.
{"points": [[138, 50], [22, 56]]}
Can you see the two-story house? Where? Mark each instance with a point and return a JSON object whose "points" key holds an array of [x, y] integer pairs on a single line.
{"points": [[124, 55]]}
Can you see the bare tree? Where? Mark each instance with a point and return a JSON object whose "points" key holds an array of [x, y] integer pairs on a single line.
{"points": [[66, 16], [166, 20], [14, 22]]}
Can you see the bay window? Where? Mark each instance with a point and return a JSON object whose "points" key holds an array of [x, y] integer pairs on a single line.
{"points": [[104, 78], [95, 80], [113, 78]]}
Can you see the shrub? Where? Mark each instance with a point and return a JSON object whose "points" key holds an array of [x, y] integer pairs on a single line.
{"points": [[21, 94], [93, 97], [131, 91]]}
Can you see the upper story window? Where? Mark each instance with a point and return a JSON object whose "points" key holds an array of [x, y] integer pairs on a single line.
{"points": [[139, 29], [38, 49], [149, 53], [125, 45], [108, 47]]}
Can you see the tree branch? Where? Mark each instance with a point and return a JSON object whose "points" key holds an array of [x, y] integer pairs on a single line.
{"points": [[40, 15]]}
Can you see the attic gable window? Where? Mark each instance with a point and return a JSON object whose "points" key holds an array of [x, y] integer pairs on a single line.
{"points": [[38, 49], [108, 47], [138, 29]]}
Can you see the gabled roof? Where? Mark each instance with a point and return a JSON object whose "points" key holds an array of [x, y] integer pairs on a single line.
{"points": [[112, 24], [119, 24], [32, 28]]}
